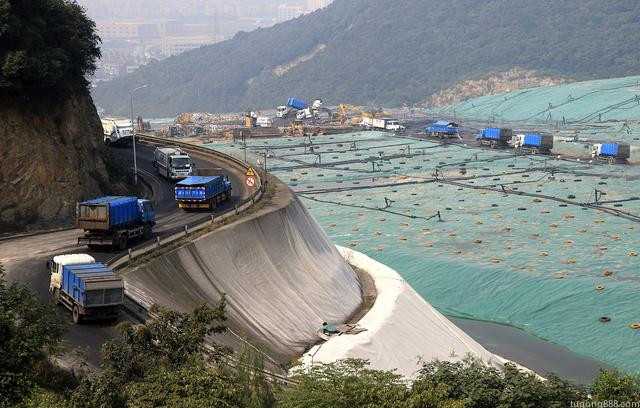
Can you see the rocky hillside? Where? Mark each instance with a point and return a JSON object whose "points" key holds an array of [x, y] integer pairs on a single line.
{"points": [[388, 52], [50, 132], [492, 84], [51, 159]]}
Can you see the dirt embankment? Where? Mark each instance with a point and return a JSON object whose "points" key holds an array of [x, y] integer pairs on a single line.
{"points": [[52, 156]]}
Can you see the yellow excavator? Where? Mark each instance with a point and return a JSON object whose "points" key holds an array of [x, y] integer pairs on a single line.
{"points": [[353, 115]]}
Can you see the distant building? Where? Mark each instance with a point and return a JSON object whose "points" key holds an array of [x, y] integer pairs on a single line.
{"points": [[289, 12], [313, 5]]}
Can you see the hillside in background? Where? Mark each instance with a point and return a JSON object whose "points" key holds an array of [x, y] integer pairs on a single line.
{"points": [[388, 52]]}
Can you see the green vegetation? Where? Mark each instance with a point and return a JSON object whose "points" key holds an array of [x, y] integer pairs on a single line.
{"points": [[46, 46], [381, 52], [29, 330], [162, 364]]}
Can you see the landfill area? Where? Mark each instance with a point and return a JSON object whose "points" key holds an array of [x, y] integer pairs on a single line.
{"points": [[546, 244], [586, 103]]}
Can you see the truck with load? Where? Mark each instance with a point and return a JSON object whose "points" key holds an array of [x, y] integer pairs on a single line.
{"points": [[382, 124], [114, 221], [442, 129], [172, 163], [611, 152], [533, 143], [117, 131], [495, 137], [88, 289], [297, 104], [202, 192]]}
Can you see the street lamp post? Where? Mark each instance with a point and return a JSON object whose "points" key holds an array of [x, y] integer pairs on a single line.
{"points": [[135, 160]]}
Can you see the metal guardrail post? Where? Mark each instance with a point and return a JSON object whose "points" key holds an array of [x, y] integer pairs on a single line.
{"points": [[157, 241], [129, 254], [186, 230]]}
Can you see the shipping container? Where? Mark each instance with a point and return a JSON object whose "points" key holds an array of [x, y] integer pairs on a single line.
{"points": [[612, 150], [114, 221], [107, 212], [90, 290], [202, 191], [496, 134]]}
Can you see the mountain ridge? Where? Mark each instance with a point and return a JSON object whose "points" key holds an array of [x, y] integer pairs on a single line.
{"points": [[382, 52]]}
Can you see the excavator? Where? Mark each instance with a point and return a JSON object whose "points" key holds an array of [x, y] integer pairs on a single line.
{"points": [[352, 115]]}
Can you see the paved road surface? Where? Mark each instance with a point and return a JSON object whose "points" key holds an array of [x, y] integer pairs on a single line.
{"points": [[25, 258]]}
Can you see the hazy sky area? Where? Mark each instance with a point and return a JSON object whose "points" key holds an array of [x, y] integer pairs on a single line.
{"points": [[135, 32], [154, 9]]}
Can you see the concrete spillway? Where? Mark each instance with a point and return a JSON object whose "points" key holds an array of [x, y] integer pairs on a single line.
{"points": [[281, 275]]}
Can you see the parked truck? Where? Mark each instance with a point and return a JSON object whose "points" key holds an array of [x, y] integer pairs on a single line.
{"points": [[611, 152], [533, 143], [495, 137], [297, 104], [443, 129], [202, 192], [282, 111], [117, 131], [382, 124], [172, 163], [264, 121], [114, 221], [88, 289]]}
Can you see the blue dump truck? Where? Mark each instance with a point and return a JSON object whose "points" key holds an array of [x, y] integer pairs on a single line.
{"points": [[202, 192], [533, 143], [495, 137], [88, 289], [297, 104], [114, 221], [611, 152], [443, 128]]}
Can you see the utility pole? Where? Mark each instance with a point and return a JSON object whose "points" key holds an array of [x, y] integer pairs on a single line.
{"points": [[133, 136]]}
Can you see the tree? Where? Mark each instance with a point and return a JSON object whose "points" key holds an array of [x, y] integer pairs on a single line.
{"points": [[46, 46], [616, 386], [162, 363], [344, 384], [28, 330], [473, 384]]}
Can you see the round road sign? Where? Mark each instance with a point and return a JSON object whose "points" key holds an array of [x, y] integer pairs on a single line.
{"points": [[251, 181]]}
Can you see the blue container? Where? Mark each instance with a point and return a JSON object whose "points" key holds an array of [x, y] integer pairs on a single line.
{"points": [[74, 278], [201, 188], [491, 133], [609, 150], [122, 210], [532, 140], [298, 104]]}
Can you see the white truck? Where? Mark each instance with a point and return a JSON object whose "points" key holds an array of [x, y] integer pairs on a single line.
{"points": [[91, 290], [282, 111], [304, 114], [172, 163], [117, 131], [264, 121], [383, 124]]}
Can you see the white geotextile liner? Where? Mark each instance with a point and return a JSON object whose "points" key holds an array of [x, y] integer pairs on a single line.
{"points": [[401, 328], [281, 275]]}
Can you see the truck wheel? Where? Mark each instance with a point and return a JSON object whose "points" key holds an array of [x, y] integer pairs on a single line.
{"points": [[107, 142], [76, 315]]}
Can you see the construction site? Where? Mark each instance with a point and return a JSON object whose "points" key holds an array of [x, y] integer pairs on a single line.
{"points": [[545, 243]]}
